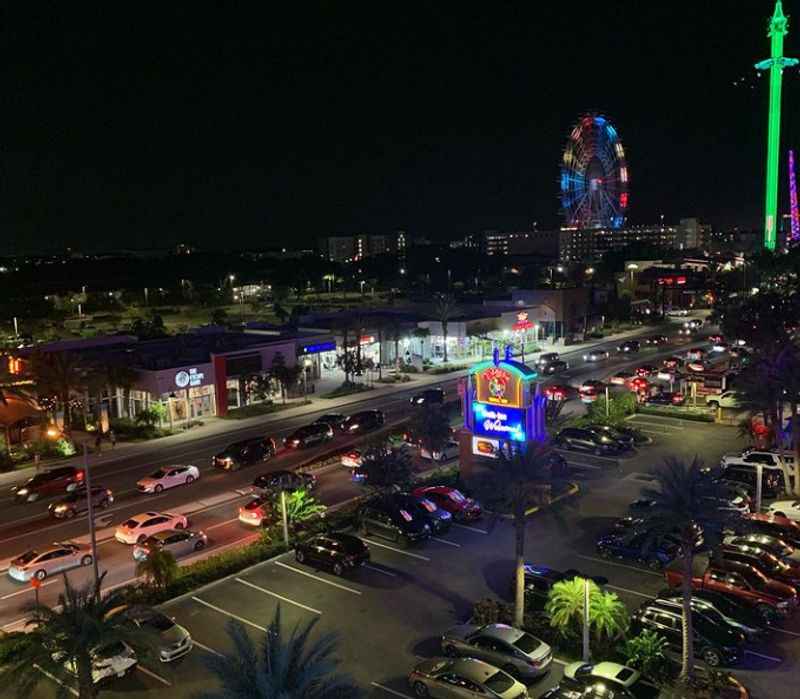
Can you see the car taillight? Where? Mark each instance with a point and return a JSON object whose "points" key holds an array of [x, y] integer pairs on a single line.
{"points": [[79, 475]]}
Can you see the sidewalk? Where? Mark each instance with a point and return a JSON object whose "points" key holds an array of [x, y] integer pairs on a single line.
{"points": [[213, 426]]}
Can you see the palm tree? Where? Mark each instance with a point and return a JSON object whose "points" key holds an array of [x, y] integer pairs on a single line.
{"points": [[80, 623], [159, 569], [445, 307], [58, 374], [785, 369], [432, 426], [681, 503], [607, 615], [519, 474], [286, 666]]}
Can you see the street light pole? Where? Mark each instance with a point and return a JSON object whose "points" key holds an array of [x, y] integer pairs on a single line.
{"points": [[90, 508], [608, 407], [285, 518], [586, 650]]}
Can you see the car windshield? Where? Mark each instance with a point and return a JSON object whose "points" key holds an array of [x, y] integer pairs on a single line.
{"points": [[28, 556], [428, 505], [157, 474], [130, 524], [527, 643], [755, 578], [499, 683], [159, 622], [456, 496]]}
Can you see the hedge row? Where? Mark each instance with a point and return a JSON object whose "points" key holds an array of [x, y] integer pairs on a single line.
{"points": [[678, 414]]}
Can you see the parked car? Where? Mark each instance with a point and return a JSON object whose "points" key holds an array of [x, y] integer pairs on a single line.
{"points": [[596, 355], [629, 347], [785, 508], [451, 499], [621, 377], [49, 560], [762, 560], [449, 451], [776, 525], [555, 366], [385, 519], [54, 481], [773, 478], [623, 435], [179, 542], [716, 644], [437, 517], [336, 551], [244, 453], [428, 397], [309, 436], [463, 678], [726, 399], [519, 653], [539, 580], [638, 546], [77, 502], [168, 477], [259, 512], [174, 641], [586, 440], [273, 483], [557, 392], [139, 527], [363, 422], [738, 615], [616, 676], [773, 544], [665, 398], [335, 420]]}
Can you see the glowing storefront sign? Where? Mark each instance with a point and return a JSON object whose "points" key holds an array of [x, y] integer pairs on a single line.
{"points": [[496, 385], [486, 446], [523, 323], [496, 421], [189, 378]]}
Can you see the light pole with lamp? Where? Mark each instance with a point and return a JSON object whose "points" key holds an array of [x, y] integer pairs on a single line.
{"points": [[586, 597], [306, 367]]}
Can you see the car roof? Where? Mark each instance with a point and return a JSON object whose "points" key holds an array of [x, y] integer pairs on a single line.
{"points": [[145, 515], [166, 533], [621, 674], [502, 632], [473, 669]]}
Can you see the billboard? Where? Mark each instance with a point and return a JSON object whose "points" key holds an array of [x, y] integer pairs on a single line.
{"points": [[499, 422]]}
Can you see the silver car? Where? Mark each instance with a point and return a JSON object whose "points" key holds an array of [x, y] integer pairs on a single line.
{"points": [[463, 678], [179, 542], [48, 560], [174, 641], [517, 652]]}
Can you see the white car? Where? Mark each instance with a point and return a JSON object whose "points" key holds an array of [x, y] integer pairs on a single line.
{"points": [[139, 527], [352, 459], [785, 508], [168, 477], [726, 399], [49, 560], [450, 451], [116, 659]]}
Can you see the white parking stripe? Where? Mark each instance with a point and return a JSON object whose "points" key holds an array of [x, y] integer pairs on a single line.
{"points": [[590, 467], [653, 423], [55, 679], [445, 541], [316, 577], [619, 565], [380, 570], [152, 674], [392, 548], [766, 657], [594, 456], [472, 529], [277, 596], [653, 432], [630, 592], [228, 614], [26, 591], [388, 689], [206, 648]]}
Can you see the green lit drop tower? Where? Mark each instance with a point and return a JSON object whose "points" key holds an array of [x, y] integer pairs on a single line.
{"points": [[777, 29]]}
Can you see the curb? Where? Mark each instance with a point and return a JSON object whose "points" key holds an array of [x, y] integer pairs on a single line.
{"points": [[571, 491]]}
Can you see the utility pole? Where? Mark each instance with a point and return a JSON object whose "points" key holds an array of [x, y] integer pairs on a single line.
{"points": [[90, 508], [285, 518], [586, 594]]}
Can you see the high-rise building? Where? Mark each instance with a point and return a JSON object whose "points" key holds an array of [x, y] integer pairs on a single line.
{"points": [[350, 248], [577, 244], [496, 243], [692, 234]]}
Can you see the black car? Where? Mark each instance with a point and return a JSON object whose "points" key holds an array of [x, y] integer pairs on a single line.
{"points": [[539, 580], [77, 503], [428, 397], [716, 644], [629, 346], [639, 546], [273, 483], [586, 440], [363, 422], [666, 398], [335, 420], [773, 544], [553, 367], [438, 518], [309, 436], [386, 519], [620, 434], [338, 552], [547, 357], [244, 453], [739, 617]]}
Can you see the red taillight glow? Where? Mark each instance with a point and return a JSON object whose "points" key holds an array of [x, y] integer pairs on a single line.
{"points": [[79, 475]]}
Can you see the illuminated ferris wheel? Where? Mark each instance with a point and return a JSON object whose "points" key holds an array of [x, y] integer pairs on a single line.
{"points": [[594, 175]]}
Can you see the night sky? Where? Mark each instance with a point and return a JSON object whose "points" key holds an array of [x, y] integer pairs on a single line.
{"points": [[147, 124]]}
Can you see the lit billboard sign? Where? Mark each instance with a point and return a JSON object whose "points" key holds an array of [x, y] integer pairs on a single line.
{"points": [[499, 386], [486, 446], [499, 422], [319, 347]]}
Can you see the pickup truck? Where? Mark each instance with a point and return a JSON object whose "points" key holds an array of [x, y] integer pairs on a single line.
{"points": [[770, 598], [780, 469]]}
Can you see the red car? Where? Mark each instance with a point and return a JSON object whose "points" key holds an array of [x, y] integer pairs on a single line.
{"points": [[454, 501], [638, 383], [556, 392]]}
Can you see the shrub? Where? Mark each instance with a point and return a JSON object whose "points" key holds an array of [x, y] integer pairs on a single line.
{"points": [[152, 415], [347, 388], [408, 368], [491, 611], [678, 413], [52, 449], [647, 654]]}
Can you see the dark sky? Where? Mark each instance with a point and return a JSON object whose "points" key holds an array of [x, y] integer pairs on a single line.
{"points": [[151, 123]]}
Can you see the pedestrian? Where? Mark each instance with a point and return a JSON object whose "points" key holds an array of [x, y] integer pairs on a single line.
{"points": [[113, 438], [97, 442]]}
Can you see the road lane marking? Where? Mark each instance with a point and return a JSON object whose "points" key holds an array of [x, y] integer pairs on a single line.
{"points": [[152, 674], [206, 648], [630, 592], [445, 541], [472, 529], [220, 524], [26, 590], [392, 548], [779, 630], [380, 570], [619, 565], [317, 577], [765, 657], [280, 597], [228, 614], [388, 689], [56, 680]]}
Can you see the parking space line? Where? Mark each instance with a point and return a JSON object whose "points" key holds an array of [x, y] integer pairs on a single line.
{"points": [[57, 680], [152, 674], [790, 633], [472, 529], [228, 614], [317, 577], [590, 467], [280, 597], [445, 541], [388, 689], [641, 429], [655, 423], [380, 570], [630, 592], [765, 657], [369, 542], [619, 565], [206, 648], [594, 456]]}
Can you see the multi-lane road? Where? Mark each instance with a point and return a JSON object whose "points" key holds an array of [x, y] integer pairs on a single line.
{"points": [[212, 502]]}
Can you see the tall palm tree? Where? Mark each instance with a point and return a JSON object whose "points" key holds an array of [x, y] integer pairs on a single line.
{"points": [[431, 426], [445, 307], [282, 666], [159, 569], [58, 374], [785, 370], [519, 474], [681, 503], [81, 622]]}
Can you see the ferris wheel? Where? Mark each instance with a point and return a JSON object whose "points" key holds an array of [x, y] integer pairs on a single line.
{"points": [[594, 175]]}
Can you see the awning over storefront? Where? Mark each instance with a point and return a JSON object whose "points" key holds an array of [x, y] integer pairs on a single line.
{"points": [[17, 407]]}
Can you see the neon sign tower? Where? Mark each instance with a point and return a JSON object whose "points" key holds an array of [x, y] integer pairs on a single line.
{"points": [[794, 216], [777, 29]]}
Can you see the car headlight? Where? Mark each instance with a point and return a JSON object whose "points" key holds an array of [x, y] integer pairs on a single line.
{"points": [[783, 605], [585, 357], [22, 491], [61, 508]]}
